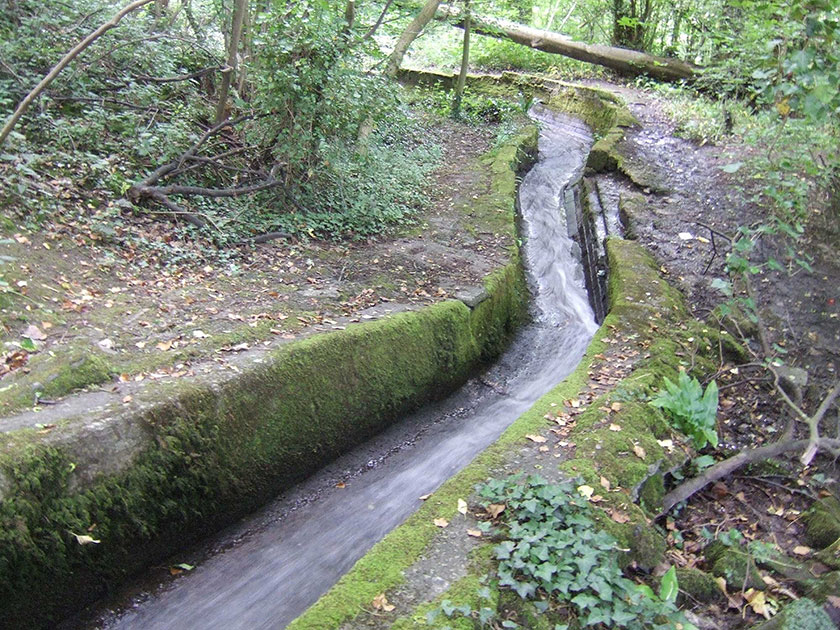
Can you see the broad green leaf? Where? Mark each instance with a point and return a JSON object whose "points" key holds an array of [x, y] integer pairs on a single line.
{"points": [[669, 587]]}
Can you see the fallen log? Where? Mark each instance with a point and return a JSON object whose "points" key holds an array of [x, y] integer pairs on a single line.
{"points": [[622, 60]]}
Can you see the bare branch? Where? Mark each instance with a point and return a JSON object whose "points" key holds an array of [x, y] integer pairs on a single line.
{"points": [[379, 21], [70, 56], [183, 77], [727, 466], [236, 191]]}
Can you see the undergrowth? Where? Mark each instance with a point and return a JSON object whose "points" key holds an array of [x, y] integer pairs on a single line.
{"points": [[552, 554]]}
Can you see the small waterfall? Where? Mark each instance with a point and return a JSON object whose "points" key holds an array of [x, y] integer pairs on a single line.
{"points": [[549, 199]]}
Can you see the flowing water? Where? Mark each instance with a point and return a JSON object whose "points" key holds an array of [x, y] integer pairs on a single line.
{"points": [[266, 570]]}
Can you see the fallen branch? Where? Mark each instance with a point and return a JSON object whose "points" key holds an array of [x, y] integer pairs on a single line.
{"points": [[809, 448], [183, 77], [200, 191], [622, 60], [70, 56], [264, 238], [727, 466]]}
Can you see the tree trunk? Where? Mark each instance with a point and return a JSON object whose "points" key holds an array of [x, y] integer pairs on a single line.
{"points": [[623, 61], [465, 64], [409, 35], [233, 49]]}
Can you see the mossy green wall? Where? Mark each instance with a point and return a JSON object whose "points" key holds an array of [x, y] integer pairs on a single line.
{"points": [[217, 451]]}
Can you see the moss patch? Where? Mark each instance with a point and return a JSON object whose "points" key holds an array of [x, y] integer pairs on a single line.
{"points": [[698, 586], [52, 378], [823, 522]]}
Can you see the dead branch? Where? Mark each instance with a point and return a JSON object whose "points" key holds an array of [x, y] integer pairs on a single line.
{"points": [[184, 77], [175, 209], [731, 464], [625, 61], [200, 191], [162, 171], [102, 100], [264, 238], [70, 56], [379, 21]]}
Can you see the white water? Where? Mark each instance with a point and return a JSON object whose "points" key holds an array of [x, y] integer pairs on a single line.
{"points": [[267, 570]]}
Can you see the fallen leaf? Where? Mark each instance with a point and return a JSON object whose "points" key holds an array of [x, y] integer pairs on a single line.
{"points": [[163, 345], [34, 333], [639, 451], [668, 445], [758, 602], [199, 334], [605, 484], [380, 602], [586, 491], [537, 438], [441, 522], [619, 517], [616, 406], [801, 550], [84, 539], [720, 490], [127, 399], [462, 506], [615, 427], [425, 496], [494, 509], [341, 484], [105, 344], [475, 533]]}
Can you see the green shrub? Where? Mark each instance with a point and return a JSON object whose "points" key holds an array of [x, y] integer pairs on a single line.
{"points": [[690, 409]]}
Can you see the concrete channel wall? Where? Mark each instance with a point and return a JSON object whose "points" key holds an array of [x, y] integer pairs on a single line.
{"points": [[110, 491]]}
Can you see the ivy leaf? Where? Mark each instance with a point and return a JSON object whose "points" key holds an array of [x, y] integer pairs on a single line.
{"points": [[668, 587]]}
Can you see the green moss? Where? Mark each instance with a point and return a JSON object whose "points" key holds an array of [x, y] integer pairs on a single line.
{"points": [[697, 586], [651, 493], [825, 585], [217, 452], [803, 614], [822, 522], [734, 565], [54, 377], [830, 556]]}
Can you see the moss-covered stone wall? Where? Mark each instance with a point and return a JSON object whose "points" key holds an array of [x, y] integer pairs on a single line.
{"points": [[211, 451]]}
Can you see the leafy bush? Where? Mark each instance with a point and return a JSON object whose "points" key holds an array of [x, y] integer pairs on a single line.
{"points": [[692, 411], [553, 547]]}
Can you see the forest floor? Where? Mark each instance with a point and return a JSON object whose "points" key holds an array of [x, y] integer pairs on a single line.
{"points": [[87, 308], [680, 217]]}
